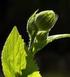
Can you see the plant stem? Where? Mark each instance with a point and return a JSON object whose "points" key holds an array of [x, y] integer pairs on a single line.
{"points": [[52, 38], [56, 37]]}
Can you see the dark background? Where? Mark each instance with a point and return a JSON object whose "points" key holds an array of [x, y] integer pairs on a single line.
{"points": [[54, 59]]}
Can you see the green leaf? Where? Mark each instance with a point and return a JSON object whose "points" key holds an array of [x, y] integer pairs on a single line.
{"points": [[31, 66], [14, 55], [35, 74]]}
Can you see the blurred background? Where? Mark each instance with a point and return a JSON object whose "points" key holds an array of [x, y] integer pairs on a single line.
{"points": [[54, 59]]}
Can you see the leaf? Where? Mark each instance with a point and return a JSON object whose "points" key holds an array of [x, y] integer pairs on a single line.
{"points": [[14, 55], [31, 66], [35, 74]]}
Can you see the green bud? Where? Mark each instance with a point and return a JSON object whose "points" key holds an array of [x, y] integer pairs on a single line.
{"points": [[42, 21], [31, 26], [45, 20], [31, 29], [39, 25], [39, 41], [41, 36]]}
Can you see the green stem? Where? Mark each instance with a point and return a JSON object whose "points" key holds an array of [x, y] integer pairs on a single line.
{"points": [[31, 42], [52, 38], [56, 37]]}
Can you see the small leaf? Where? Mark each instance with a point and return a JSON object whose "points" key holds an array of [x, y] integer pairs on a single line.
{"points": [[35, 74], [13, 55], [31, 66]]}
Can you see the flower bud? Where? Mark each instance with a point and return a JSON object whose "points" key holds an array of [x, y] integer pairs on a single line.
{"points": [[39, 41], [45, 20], [31, 25]]}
